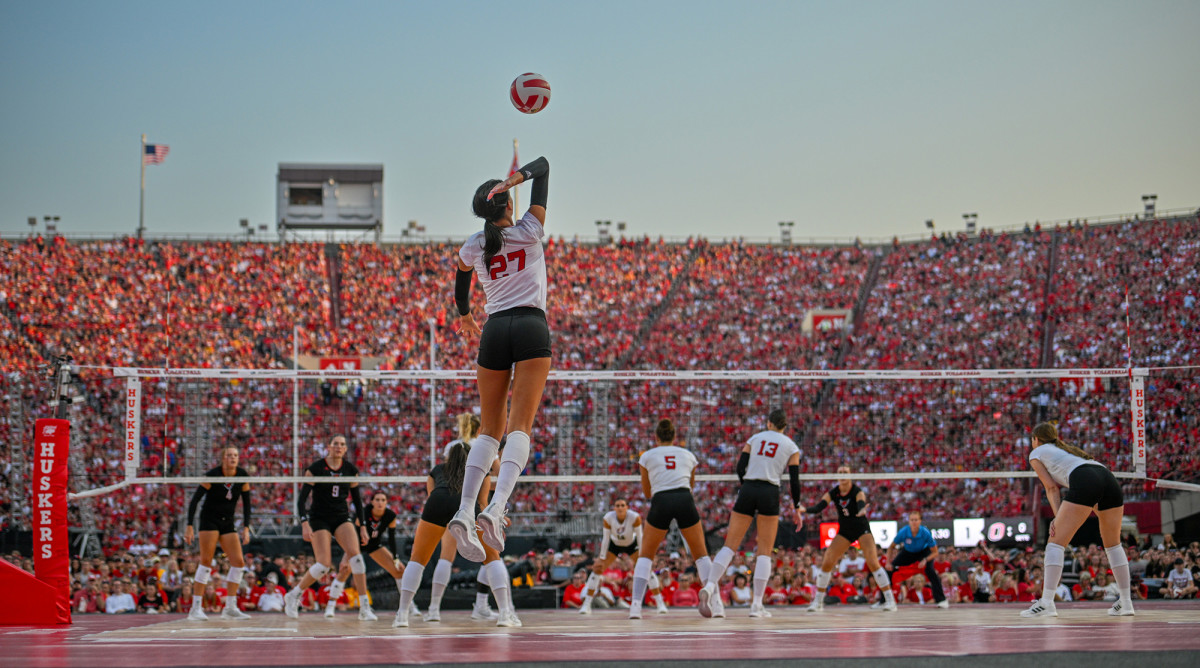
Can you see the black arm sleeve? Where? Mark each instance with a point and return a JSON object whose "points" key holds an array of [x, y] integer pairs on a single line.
{"points": [[815, 510], [195, 504], [794, 479], [392, 540], [539, 172], [246, 507], [742, 465], [302, 502], [356, 501], [462, 291]]}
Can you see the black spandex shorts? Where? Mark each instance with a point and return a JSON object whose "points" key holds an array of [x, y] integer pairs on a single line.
{"points": [[757, 496], [673, 504], [618, 550], [222, 524], [513, 335], [1092, 485], [853, 530], [441, 506], [328, 523]]}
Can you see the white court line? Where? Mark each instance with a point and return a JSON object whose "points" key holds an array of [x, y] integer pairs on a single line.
{"points": [[239, 629]]}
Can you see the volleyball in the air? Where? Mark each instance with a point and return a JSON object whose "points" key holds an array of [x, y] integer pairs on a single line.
{"points": [[530, 93]]}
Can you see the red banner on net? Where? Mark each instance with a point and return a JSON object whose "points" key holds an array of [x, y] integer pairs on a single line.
{"points": [[51, 545]]}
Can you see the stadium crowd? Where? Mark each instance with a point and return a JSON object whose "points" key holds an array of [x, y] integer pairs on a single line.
{"points": [[1020, 300]]}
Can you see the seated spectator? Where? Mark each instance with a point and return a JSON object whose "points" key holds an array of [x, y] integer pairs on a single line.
{"points": [[1179, 582], [121, 601], [151, 600], [741, 593], [1084, 591], [572, 596], [686, 595], [839, 590]]}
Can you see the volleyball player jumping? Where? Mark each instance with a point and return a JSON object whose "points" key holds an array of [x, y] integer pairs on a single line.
{"points": [[514, 346]]}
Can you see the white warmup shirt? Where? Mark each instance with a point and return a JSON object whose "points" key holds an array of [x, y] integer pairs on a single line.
{"points": [[622, 534], [669, 466], [1058, 462], [517, 276], [769, 455]]}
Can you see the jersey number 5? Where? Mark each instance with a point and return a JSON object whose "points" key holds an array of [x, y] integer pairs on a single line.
{"points": [[670, 461], [767, 451], [499, 265]]}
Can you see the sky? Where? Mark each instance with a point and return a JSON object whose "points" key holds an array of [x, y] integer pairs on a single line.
{"points": [[678, 118]]}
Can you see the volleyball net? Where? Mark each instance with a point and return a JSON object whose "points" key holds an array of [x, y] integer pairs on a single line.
{"points": [[167, 426]]}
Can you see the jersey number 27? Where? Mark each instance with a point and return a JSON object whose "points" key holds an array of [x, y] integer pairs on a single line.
{"points": [[499, 265]]}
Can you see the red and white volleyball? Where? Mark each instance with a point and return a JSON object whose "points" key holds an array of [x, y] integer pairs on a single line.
{"points": [[530, 93]]}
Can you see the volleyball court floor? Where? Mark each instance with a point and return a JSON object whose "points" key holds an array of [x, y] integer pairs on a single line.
{"points": [[1167, 632]]}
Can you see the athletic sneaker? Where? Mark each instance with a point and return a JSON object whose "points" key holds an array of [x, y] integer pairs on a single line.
{"points": [[718, 607], [433, 615], [508, 619], [586, 608], [816, 606], [706, 594], [758, 611], [197, 615], [943, 604], [1121, 608], [491, 523], [366, 614], [233, 613], [1040, 608], [660, 607], [329, 610], [413, 609], [462, 527], [291, 604], [889, 606], [401, 619], [635, 611], [484, 613]]}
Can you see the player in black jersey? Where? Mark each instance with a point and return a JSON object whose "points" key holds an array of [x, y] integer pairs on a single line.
{"points": [[216, 526], [328, 519], [380, 519], [853, 525], [444, 485]]}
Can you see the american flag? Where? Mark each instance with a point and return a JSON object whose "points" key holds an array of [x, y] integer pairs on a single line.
{"points": [[154, 154]]}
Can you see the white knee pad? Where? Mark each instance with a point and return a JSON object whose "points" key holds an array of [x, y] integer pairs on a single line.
{"points": [[234, 578], [318, 570], [357, 565], [653, 581], [203, 574]]}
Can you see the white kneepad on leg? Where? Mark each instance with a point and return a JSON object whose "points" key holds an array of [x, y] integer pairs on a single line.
{"points": [[357, 565], [318, 570], [203, 574]]}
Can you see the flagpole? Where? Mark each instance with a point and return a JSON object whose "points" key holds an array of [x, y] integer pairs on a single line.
{"points": [[516, 190], [142, 199]]}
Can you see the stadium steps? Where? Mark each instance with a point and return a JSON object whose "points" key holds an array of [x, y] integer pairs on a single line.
{"points": [[652, 318]]}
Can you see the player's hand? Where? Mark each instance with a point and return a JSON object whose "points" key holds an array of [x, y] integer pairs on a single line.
{"points": [[504, 186], [245, 535], [467, 325], [188, 535], [306, 532], [362, 534]]}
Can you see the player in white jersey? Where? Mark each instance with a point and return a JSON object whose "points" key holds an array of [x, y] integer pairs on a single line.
{"points": [[514, 345], [1091, 487], [622, 535], [468, 428], [764, 458], [668, 474]]}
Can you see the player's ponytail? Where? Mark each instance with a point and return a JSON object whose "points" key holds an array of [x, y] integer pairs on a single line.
{"points": [[1047, 432], [665, 431], [490, 211], [456, 466], [468, 427]]}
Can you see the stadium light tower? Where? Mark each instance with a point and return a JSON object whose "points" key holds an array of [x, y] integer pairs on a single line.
{"points": [[970, 219], [1149, 202], [51, 224], [32, 225], [604, 230], [785, 231]]}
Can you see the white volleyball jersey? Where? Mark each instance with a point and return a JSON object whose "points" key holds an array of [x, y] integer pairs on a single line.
{"points": [[1058, 462], [769, 455], [669, 466], [622, 534], [517, 276]]}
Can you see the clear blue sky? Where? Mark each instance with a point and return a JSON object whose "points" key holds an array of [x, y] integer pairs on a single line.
{"points": [[703, 117]]}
